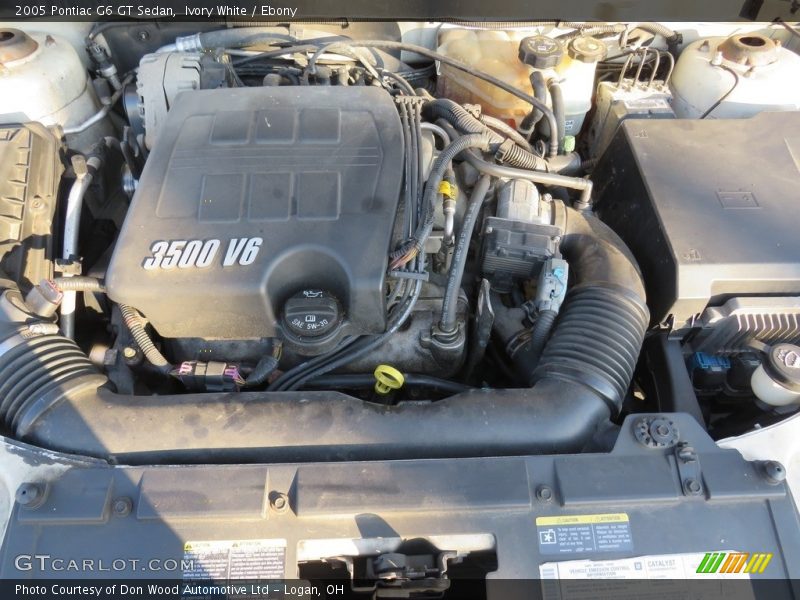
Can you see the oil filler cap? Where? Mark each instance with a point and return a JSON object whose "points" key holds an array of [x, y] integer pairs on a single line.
{"points": [[312, 313], [540, 51]]}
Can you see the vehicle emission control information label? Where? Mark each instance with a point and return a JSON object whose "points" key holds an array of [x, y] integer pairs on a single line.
{"points": [[575, 534], [234, 559], [652, 577]]}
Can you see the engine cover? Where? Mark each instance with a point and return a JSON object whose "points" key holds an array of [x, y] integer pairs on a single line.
{"points": [[253, 195]]}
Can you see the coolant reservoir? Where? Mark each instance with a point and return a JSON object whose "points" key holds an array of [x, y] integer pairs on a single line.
{"points": [[576, 73], [42, 79], [768, 77], [498, 53], [494, 52], [777, 380]]}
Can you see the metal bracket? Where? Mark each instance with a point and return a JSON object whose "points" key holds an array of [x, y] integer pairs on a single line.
{"points": [[70, 268], [689, 469]]}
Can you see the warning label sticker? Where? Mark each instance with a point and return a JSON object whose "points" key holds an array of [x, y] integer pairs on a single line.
{"points": [[234, 559], [646, 104], [575, 534], [655, 577]]}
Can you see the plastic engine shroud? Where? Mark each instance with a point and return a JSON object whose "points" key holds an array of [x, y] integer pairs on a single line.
{"points": [[253, 195]]}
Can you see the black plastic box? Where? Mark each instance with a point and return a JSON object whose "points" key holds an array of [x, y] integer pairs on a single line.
{"points": [[709, 208], [310, 178]]}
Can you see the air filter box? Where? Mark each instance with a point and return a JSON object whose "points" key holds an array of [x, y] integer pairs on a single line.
{"points": [[30, 173], [708, 208]]}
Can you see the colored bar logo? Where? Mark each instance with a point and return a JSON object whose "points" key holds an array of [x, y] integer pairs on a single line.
{"points": [[734, 562]]}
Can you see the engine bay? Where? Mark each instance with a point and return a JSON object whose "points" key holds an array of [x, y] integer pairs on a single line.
{"points": [[294, 241]]}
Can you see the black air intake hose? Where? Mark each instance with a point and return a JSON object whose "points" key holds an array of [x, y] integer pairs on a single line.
{"points": [[596, 338], [600, 329], [584, 372], [596, 342], [39, 369]]}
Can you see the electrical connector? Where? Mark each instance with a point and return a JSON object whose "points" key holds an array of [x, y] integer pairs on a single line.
{"points": [[212, 376], [552, 285]]}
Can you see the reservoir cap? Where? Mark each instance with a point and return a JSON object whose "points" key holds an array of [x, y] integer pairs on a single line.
{"points": [[782, 364], [540, 51], [587, 49]]}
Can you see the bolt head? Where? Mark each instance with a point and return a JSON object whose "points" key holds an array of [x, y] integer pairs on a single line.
{"points": [[693, 486], [774, 471], [122, 506], [544, 493], [30, 495], [279, 502], [129, 352]]}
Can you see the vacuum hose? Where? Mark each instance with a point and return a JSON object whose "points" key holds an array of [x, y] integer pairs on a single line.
{"points": [[448, 322], [558, 110], [239, 37]]}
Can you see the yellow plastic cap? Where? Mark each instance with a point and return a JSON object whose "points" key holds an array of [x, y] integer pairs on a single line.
{"points": [[387, 379]]}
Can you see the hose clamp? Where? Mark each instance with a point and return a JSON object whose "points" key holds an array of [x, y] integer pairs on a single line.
{"points": [[189, 43], [504, 148]]}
